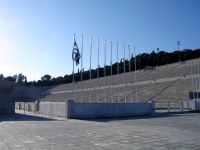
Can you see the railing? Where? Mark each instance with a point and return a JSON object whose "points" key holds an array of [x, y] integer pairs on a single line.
{"points": [[176, 106], [26, 106]]}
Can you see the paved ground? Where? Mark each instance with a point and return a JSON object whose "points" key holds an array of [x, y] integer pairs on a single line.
{"points": [[175, 131]]}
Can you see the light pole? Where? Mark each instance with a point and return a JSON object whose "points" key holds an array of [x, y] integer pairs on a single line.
{"points": [[178, 43], [158, 56]]}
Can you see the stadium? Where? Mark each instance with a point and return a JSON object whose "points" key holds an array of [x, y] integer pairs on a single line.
{"points": [[171, 82]]}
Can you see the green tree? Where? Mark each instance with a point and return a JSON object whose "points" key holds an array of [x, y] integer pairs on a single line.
{"points": [[10, 78], [20, 79], [15, 77], [46, 77], [1, 77], [25, 80]]}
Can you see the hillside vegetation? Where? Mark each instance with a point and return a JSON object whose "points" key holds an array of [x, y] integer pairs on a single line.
{"points": [[153, 59]]}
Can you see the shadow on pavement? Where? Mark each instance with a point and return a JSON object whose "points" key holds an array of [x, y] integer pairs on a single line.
{"points": [[157, 115], [22, 117]]}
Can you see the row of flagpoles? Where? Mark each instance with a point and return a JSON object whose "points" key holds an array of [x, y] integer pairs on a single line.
{"points": [[76, 56]]}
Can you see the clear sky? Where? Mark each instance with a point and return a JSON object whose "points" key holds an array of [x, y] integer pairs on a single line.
{"points": [[36, 36]]}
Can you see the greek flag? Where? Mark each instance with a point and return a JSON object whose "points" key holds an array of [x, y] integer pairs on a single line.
{"points": [[75, 53]]}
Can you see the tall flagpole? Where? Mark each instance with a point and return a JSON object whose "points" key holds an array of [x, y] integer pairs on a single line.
{"points": [[192, 79], [195, 64], [111, 74], [198, 77], [73, 71], [117, 74], [90, 65], [81, 68], [105, 70], [130, 74], [124, 76], [98, 71], [135, 76]]}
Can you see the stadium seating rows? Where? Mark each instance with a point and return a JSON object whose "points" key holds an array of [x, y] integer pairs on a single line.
{"points": [[166, 83]]}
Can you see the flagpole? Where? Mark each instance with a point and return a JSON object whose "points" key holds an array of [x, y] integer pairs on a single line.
{"points": [[192, 79], [90, 65], [111, 74], [136, 76], [124, 76], [81, 68], [105, 70], [98, 71], [196, 78], [73, 72], [117, 74], [130, 74]]}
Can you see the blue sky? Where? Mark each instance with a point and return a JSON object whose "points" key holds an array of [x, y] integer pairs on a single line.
{"points": [[36, 36]]}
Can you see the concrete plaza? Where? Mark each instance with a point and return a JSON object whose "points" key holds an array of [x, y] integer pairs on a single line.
{"points": [[162, 131]]}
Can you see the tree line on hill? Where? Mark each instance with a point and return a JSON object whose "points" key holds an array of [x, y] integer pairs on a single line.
{"points": [[142, 60]]}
